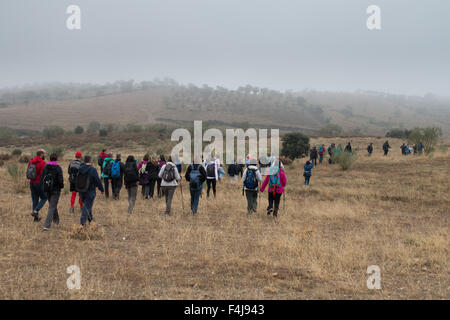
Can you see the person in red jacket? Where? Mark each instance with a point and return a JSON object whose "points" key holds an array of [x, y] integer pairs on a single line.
{"points": [[38, 196]]}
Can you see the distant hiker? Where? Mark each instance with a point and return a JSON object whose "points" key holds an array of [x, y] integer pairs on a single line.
{"points": [[169, 181], [52, 183], [196, 176], [415, 149], [131, 179], [212, 175], [403, 147], [86, 184], [117, 170], [251, 179], [34, 172], [233, 172], [74, 166], [152, 169], [240, 168], [307, 171], [101, 157], [276, 181], [386, 147], [106, 172], [313, 155], [331, 153], [221, 172], [348, 148], [420, 148], [161, 163], [321, 152], [144, 179], [370, 149]]}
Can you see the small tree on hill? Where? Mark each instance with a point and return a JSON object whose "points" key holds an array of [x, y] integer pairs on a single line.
{"points": [[295, 145], [79, 130]]}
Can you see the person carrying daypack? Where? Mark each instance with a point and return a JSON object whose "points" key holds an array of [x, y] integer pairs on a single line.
{"points": [[161, 163], [86, 184], [348, 148], [144, 179], [386, 147], [212, 175], [321, 153], [106, 173], [251, 179], [101, 157], [52, 183], [196, 176], [117, 170], [152, 170], [34, 173], [276, 182], [331, 153], [169, 181], [307, 171], [370, 149], [131, 179], [313, 155], [74, 166]]}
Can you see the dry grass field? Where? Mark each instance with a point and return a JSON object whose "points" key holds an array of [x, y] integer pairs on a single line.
{"points": [[387, 211]]}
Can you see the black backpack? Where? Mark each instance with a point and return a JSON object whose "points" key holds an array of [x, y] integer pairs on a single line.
{"points": [[49, 182], [108, 168], [74, 166], [211, 170], [31, 171], [169, 173], [82, 182], [130, 174]]}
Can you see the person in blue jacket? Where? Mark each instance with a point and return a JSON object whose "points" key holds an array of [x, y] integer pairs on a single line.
{"points": [[307, 173]]}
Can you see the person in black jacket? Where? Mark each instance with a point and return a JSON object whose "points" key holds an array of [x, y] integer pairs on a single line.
{"points": [[348, 148], [53, 182], [196, 176], [313, 155], [152, 170], [131, 179], [116, 183], [89, 196]]}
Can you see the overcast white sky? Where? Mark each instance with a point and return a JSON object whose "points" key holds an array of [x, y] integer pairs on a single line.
{"points": [[280, 44]]}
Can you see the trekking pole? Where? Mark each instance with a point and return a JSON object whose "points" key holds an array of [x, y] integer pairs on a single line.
{"points": [[182, 203]]}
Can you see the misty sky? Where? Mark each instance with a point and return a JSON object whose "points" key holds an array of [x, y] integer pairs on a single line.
{"points": [[279, 44]]}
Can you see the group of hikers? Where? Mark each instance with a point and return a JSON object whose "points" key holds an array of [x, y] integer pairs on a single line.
{"points": [[47, 181]]}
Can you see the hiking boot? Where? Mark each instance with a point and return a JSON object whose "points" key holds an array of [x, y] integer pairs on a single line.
{"points": [[45, 229], [36, 218], [275, 214], [269, 211], [72, 210]]}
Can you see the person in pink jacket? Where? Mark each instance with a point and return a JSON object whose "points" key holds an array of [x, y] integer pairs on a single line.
{"points": [[276, 181]]}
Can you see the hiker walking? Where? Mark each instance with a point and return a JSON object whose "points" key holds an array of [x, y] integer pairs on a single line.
{"points": [[313, 155], [370, 149], [251, 179], [34, 172], [276, 181], [386, 147], [117, 170], [307, 171], [169, 181], [52, 183], [196, 176], [212, 175], [233, 172], [331, 152], [106, 173], [152, 171], [348, 148], [131, 179], [420, 148], [74, 166], [144, 179], [161, 163], [101, 157], [321, 153], [86, 184]]}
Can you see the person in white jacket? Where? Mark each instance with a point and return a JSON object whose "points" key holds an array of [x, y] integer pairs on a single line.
{"points": [[169, 181], [212, 175], [251, 178]]}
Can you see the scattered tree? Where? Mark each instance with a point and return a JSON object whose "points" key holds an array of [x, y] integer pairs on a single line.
{"points": [[295, 145]]}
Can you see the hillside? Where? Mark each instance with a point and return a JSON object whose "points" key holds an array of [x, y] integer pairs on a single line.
{"points": [[360, 113]]}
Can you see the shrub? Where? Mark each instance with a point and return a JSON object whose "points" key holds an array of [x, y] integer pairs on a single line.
{"points": [[17, 173], [93, 126], [16, 152], [79, 130], [286, 161], [5, 156], [24, 159], [53, 132], [103, 133], [345, 159], [55, 149], [295, 145], [429, 137], [398, 133]]}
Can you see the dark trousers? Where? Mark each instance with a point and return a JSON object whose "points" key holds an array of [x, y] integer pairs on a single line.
{"points": [[86, 212], [106, 185], [158, 182], [152, 188], [211, 183], [195, 199], [320, 158], [145, 190], [307, 180], [168, 193], [386, 152], [52, 214], [252, 200], [132, 193], [116, 186], [314, 160], [37, 196], [274, 203]]}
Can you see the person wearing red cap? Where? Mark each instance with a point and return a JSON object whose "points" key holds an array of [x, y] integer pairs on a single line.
{"points": [[74, 166]]}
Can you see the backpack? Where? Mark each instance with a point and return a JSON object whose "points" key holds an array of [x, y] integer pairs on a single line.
{"points": [[82, 182], [115, 169], [74, 166], [274, 182], [49, 182], [194, 177], [250, 180], [143, 169], [107, 169], [211, 170], [169, 173], [31, 172], [130, 173]]}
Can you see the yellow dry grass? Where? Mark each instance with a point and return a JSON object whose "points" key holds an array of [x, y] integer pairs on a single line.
{"points": [[386, 211]]}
